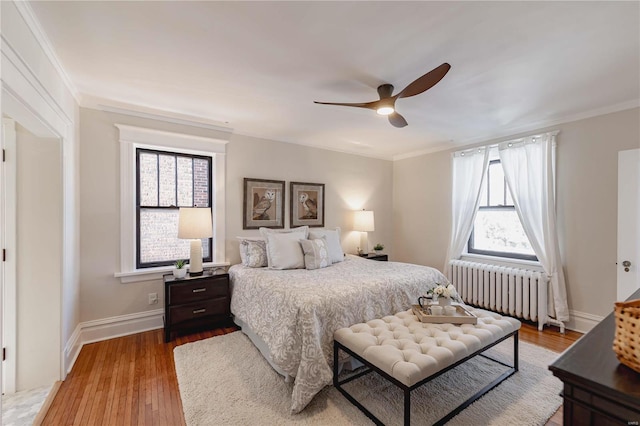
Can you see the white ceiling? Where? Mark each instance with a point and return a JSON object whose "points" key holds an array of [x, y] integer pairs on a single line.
{"points": [[257, 67]]}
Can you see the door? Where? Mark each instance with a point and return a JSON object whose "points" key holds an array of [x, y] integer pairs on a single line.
{"points": [[628, 223]]}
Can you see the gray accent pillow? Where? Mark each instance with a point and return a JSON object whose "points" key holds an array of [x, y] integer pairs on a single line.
{"points": [[333, 242], [253, 253], [316, 254]]}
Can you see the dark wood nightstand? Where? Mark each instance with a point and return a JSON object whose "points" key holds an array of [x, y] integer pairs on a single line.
{"points": [[376, 256], [195, 302]]}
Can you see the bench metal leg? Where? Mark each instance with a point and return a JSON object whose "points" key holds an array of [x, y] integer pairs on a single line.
{"points": [[407, 407], [516, 351]]}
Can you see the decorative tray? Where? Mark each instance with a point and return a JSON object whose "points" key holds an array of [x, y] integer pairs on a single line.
{"points": [[461, 316]]}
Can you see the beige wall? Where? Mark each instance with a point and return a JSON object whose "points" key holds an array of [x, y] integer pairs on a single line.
{"points": [[39, 260], [587, 170], [351, 182]]}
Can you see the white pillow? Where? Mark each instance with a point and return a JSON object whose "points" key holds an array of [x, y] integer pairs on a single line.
{"points": [[283, 247], [316, 255], [333, 242]]}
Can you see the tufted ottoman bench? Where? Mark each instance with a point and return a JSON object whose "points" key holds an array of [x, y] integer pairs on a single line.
{"points": [[409, 353]]}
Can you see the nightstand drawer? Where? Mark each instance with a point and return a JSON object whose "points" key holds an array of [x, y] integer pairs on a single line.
{"points": [[194, 302], [199, 290], [197, 310]]}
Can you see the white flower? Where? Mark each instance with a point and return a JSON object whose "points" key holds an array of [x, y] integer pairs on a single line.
{"points": [[447, 291]]}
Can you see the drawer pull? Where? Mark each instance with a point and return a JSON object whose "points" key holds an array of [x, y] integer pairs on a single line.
{"points": [[199, 311], [199, 290]]}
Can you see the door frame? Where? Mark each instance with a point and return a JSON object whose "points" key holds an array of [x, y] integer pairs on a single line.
{"points": [[8, 241], [630, 195]]}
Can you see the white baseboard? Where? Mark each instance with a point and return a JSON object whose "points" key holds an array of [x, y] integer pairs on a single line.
{"points": [[582, 321], [124, 325], [71, 351], [109, 328]]}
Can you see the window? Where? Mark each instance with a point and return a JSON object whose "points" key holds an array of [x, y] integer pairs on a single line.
{"points": [[159, 172], [166, 181], [497, 230]]}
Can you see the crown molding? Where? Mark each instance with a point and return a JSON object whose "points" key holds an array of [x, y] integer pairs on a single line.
{"points": [[107, 105], [512, 132], [24, 8]]}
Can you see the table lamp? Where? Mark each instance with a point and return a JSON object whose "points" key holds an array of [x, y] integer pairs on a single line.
{"points": [[195, 223], [363, 222]]}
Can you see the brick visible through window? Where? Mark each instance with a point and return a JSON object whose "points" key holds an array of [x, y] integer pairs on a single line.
{"points": [[166, 181]]}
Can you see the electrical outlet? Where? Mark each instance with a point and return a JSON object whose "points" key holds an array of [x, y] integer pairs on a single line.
{"points": [[153, 298]]}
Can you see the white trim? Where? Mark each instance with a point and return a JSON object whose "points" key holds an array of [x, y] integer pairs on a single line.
{"points": [[108, 105], [34, 88], [40, 112], [141, 135], [9, 242], [72, 349], [582, 322], [122, 325], [36, 29], [110, 328], [149, 274], [133, 137]]}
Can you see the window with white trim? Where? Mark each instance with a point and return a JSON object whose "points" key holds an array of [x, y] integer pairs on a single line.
{"points": [[159, 173], [497, 230]]}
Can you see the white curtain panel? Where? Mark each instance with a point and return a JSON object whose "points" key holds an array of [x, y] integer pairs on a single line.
{"points": [[469, 171], [529, 171]]}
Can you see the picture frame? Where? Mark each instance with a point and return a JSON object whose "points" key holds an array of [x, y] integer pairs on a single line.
{"points": [[306, 204], [263, 204]]}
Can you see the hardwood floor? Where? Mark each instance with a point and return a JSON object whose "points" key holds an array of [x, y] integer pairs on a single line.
{"points": [[131, 380]]}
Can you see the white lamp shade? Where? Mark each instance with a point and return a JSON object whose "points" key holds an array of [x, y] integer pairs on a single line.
{"points": [[195, 223], [363, 221]]}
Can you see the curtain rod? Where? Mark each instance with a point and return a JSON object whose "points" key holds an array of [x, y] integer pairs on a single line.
{"points": [[495, 145]]}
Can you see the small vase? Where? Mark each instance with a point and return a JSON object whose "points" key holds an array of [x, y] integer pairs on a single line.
{"points": [[179, 273], [444, 301]]}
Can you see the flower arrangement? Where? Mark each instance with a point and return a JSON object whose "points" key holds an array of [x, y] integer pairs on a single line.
{"points": [[443, 290]]}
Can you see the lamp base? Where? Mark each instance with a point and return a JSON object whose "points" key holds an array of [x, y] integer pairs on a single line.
{"points": [[195, 261], [364, 243]]}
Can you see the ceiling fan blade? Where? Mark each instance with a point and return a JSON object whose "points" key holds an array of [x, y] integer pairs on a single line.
{"points": [[397, 120], [370, 105], [425, 82]]}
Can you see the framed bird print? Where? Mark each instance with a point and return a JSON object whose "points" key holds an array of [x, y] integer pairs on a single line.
{"points": [[307, 204], [263, 204]]}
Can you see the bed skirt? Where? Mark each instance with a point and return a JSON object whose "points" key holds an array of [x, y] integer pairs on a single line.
{"points": [[350, 364]]}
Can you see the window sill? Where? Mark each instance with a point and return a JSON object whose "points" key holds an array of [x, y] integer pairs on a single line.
{"points": [[502, 261], [150, 274]]}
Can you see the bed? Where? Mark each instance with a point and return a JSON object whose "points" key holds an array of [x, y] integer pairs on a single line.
{"points": [[291, 315]]}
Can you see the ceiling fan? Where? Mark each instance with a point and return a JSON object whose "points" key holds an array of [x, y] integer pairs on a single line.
{"points": [[387, 102]]}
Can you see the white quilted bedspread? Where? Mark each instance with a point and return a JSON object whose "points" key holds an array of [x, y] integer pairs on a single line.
{"points": [[297, 311]]}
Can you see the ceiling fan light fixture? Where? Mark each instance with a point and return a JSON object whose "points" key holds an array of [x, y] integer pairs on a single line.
{"points": [[386, 104]]}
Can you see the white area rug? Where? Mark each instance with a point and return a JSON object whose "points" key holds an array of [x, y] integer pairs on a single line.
{"points": [[225, 381]]}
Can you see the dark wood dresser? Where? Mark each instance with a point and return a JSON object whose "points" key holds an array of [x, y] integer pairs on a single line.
{"points": [[598, 390], [195, 302]]}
